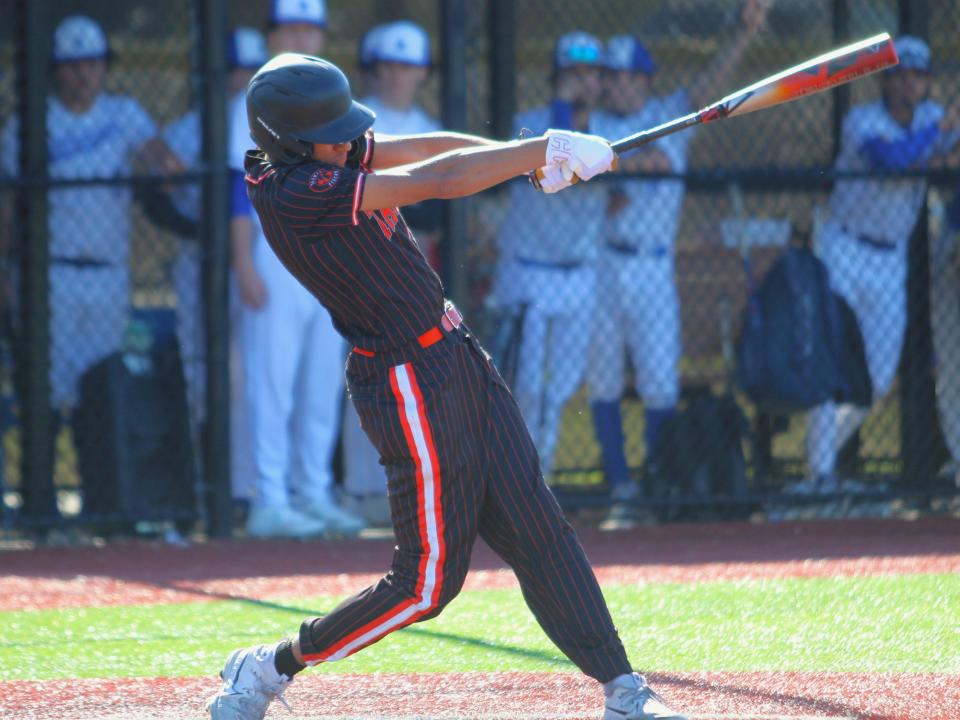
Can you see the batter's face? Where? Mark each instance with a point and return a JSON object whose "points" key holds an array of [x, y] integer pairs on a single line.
{"points": [[303, 38], [397, 83], [80, 81], [625, 91], [331, 154]]}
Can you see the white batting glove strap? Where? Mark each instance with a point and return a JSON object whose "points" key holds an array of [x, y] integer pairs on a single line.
{"points": [[555, 178], [586, 155]]}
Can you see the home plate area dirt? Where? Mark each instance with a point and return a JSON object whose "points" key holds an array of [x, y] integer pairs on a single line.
{"points": [[504, 696]]}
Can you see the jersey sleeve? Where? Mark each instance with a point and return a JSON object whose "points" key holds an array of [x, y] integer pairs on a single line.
{"points": [[325, 196], [239, 200]]}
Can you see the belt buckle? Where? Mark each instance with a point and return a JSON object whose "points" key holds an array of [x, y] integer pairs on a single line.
{"points": [[451, 319]]}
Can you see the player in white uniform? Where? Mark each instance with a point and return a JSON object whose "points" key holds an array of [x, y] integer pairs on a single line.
{"points": [[638, 306], [91, 134], [293, 357], [548, 246], [396, 56], [246, 53], [945, 324], [864, 240]]}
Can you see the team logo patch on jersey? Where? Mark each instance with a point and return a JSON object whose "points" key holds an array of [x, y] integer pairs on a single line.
{"points": [[323, 179]]}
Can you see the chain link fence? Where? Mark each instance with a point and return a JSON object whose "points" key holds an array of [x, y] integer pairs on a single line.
{"points": [[676, 333]]}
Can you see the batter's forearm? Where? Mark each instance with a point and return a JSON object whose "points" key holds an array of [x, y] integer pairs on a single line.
{"points": [[466, 171], [394, 150], [453, 174]]}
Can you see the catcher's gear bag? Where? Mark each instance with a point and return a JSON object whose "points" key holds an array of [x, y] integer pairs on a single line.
{"points": [[797, 346]]}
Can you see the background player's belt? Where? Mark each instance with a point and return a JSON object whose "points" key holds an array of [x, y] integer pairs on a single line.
{"points": [[622, 248], [449, 321], [550, 265], [80, 262], [870, 241]]}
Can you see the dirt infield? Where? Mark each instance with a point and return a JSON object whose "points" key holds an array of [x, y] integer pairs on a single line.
{"points": [[504, 696], [141, 572]]}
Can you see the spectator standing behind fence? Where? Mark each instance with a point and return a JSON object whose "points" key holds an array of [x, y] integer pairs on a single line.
{"points": [[365, 64], [547, 249], [635, 272], [397, 57], [293, 357], [247, 51], [91, 134], [864, 240], [945, 323]]}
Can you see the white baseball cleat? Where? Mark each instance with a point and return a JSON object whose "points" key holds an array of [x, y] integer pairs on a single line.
{"points": [[337, 520], [633, 699], [279, 521], [250, 683]]}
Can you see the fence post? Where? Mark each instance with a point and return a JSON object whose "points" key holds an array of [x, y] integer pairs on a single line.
{"points": [[34, 352], [454, 102], [841, 95], [919, 429], [212, 17], [501, 44]]}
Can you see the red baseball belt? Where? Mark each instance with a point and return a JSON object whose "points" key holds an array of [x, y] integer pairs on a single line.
{"points": [[449, 321]]}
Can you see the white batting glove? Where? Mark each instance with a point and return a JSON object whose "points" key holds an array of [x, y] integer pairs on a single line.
{"points": [[555, 178], [586, 155]]}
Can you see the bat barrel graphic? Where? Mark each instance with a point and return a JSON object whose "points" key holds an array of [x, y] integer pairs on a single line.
{"points": [[826, 71]]}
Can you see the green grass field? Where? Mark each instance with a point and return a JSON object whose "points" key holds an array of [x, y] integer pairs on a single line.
{"points": [[904, 623]]}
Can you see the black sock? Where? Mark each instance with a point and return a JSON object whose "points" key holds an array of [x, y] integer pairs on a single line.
{"points": [[284, 661]]}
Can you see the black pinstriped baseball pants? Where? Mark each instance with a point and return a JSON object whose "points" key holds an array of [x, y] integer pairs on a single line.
{"points": [[460, 462]]}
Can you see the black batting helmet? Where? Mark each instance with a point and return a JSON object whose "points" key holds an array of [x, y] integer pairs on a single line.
{"points": [[296, 100]]}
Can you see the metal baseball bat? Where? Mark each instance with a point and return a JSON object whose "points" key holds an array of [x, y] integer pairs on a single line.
{"points": [[826, 71]]}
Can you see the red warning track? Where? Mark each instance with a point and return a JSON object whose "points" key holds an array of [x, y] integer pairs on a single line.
{"points": [[140, 573], [502, 696]]}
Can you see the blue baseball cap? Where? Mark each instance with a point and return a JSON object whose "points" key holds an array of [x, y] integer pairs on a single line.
{"points": [[577, 48], [401, 42], [247, 49], [913, 52], [78, 37], [626, 52], [365, 50], [290, 12]]}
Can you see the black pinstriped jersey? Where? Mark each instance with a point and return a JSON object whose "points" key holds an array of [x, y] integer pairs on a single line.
{"points": [[365, 267]]}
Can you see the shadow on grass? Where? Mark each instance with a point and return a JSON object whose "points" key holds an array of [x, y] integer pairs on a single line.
{"points": [[302, 613], [803, 702]]}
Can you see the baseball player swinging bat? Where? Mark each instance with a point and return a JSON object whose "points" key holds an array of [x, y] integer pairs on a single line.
{"points": [[826, 71]]}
